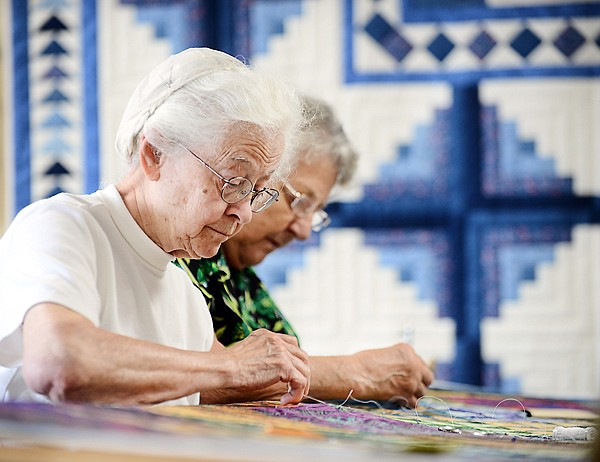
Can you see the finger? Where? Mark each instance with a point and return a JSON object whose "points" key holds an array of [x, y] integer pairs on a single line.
{"points": [[288, 339], [297, 352], [400, 400], [296, 392], [301, 363], [421, 391], [298, 383], [428, 377], [290, 342], [303, 369]]}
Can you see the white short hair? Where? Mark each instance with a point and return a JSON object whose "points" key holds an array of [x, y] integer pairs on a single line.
{"points": [[197, 96], [323, 136]]}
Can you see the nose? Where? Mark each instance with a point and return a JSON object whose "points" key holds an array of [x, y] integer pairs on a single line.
{"points": [[241, 210], [301, 227]]}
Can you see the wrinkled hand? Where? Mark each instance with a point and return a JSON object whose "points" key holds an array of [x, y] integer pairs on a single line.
{"points": [[393, 373], [264, 358]]}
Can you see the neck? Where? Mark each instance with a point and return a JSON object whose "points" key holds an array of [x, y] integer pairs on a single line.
{"points": [[134, 199], [231, 255]]}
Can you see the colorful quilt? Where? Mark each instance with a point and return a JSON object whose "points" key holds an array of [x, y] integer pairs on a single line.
{"points": [[445, 426]]}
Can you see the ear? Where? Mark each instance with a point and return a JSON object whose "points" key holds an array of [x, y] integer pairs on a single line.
{"points": [[149, 160]]}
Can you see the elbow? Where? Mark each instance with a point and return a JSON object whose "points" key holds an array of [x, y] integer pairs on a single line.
{"points": [[58, 378], [53, 353]]}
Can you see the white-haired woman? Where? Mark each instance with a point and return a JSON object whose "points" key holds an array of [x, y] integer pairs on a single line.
{"points": [[91, 308], [239, 302]]}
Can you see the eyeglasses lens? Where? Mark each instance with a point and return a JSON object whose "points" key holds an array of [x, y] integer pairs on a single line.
{"points": [[263, 199], [320, 220], [236, 189], [302, 206]]}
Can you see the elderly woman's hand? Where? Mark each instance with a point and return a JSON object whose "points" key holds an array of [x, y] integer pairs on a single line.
{"points": [[264, 359], [393, 373]]}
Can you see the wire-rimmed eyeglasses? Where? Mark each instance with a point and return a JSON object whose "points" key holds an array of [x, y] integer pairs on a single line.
{"points": [[238, 188], [303, 206]]}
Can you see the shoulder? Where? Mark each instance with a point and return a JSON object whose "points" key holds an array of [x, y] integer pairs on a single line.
{"points": [[64, 227], [63, 210]]}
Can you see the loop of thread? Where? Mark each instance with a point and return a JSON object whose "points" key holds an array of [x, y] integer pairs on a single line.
{"points": [[444, 403], [511, 399], [525, 414]]}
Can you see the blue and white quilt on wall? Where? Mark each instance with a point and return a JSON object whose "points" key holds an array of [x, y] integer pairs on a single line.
{"points": [[472, 227]]}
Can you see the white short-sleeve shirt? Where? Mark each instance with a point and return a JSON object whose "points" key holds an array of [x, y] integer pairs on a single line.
{"points": [[88, 254]]}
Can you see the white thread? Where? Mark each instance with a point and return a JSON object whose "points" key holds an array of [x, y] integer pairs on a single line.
{"points": [[348, 397], [525, 414], [510, 399], [329, 404], [370, 401], [574, 433], [446, 428], [315, 399], [394, 400]]}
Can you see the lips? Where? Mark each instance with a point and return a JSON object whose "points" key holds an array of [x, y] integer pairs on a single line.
{"points": [[280, 242], [227, 234], [273, 243]]}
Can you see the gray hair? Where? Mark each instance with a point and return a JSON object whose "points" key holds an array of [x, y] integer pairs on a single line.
{"points": [[197, 96], [324, 136]]}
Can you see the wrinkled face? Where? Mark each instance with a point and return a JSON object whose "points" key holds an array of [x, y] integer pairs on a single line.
{"points": [[197, 220], [278, 225]]}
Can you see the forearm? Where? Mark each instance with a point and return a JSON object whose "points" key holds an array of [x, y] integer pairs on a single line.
{"points": [[69, 359], [148, 373], [225, 396], [334, 377]]}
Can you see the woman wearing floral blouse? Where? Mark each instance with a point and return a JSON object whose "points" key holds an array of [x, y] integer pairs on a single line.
{"points": [[239, 302]]}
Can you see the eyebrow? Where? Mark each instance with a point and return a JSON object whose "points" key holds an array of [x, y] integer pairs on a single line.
{"points": [[266, 177], [307, 191], [311, 193], [235, 162]]}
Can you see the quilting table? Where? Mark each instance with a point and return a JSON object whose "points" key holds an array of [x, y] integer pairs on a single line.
{"points": [[445, 426]]}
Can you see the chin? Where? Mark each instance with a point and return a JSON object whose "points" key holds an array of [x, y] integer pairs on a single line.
{"points": [[206, 253], [210, 254], [256, 258]]}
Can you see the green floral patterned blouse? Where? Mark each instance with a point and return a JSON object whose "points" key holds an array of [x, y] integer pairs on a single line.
{"points": [[238, 301]]}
